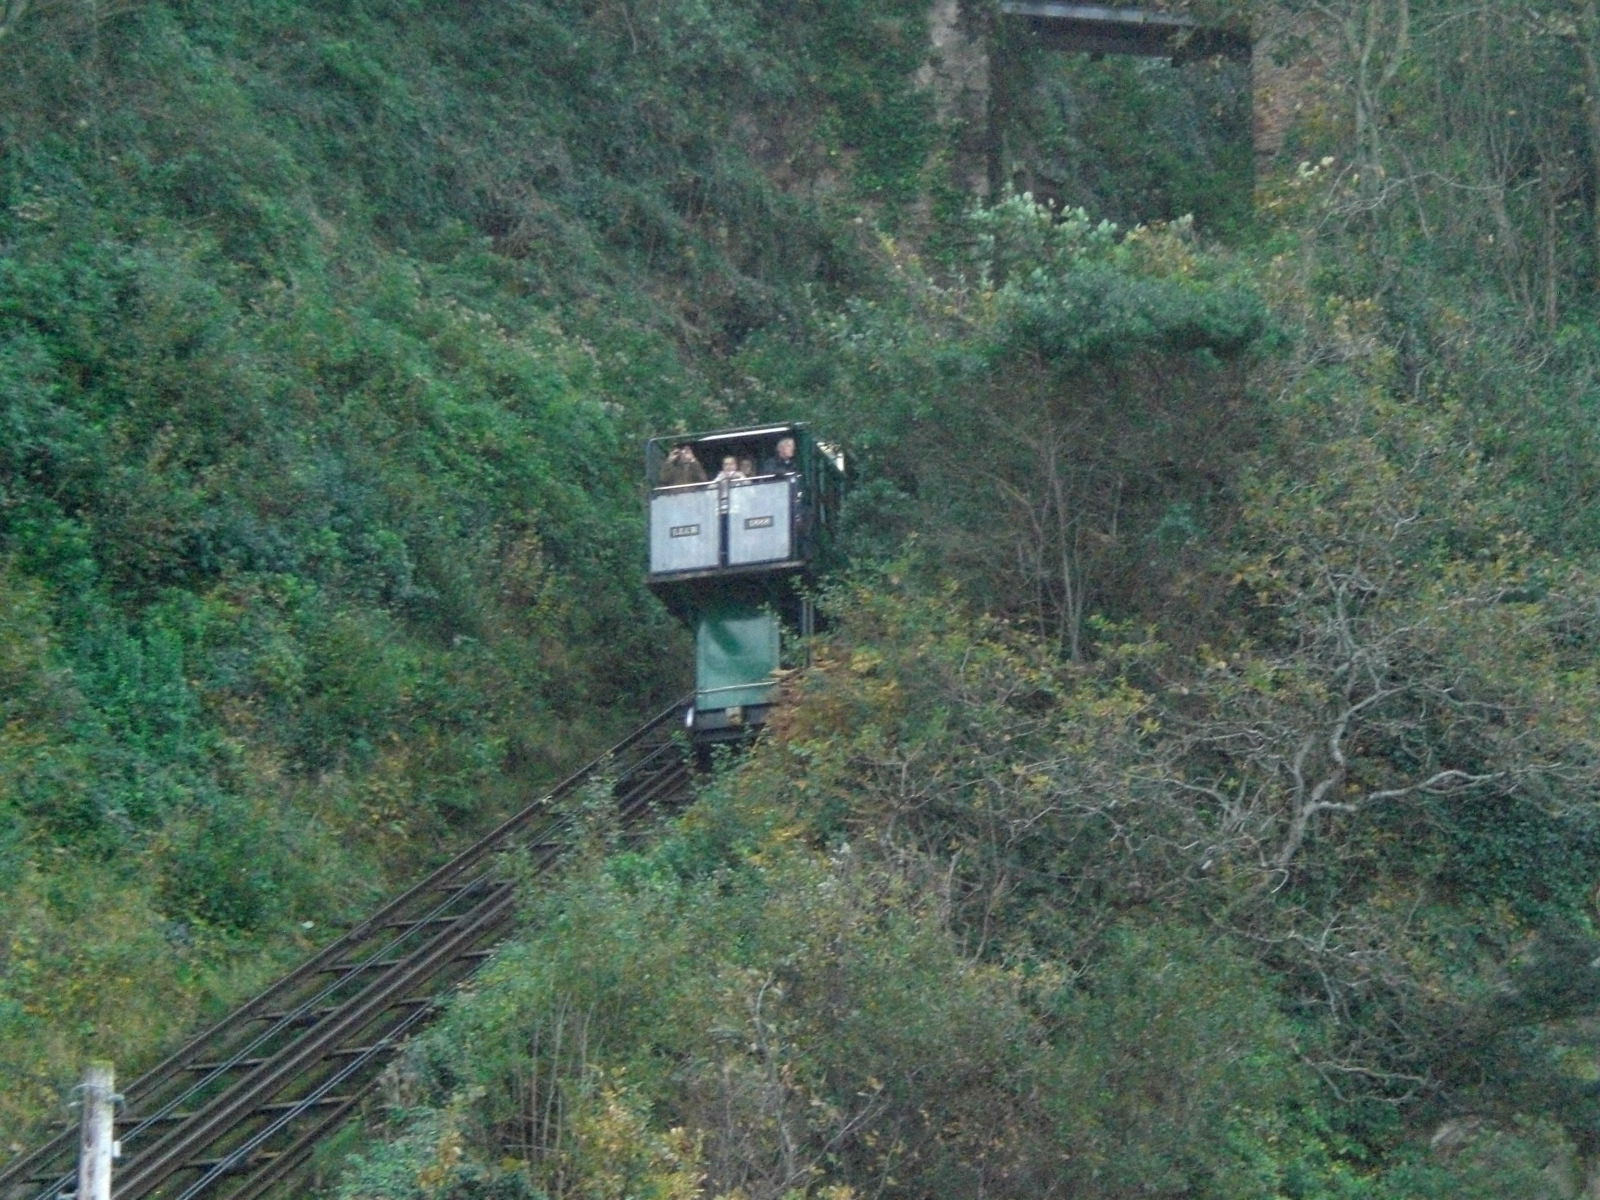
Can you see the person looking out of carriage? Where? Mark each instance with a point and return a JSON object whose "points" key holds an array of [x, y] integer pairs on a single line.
{"points": [[681, 467], [785, 464], [782, 461]]}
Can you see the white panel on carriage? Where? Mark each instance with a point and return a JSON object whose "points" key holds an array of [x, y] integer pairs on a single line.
{"points": [[759, 528], [683, 529]]}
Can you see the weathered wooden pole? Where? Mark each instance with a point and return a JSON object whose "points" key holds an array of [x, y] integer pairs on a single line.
{"points": [[97, 1141]]}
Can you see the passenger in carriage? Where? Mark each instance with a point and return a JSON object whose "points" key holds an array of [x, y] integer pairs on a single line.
{"points": [[784, 464], [681, 467], [782, 461], [730, 472]]}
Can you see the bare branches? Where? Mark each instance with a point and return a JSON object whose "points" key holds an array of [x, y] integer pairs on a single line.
{"points": [[1406, 652]]}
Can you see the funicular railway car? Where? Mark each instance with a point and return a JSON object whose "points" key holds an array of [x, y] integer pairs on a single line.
{"points": [[740, 521]]}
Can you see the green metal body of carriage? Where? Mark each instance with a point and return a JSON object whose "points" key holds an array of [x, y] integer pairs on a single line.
{"points": [[731, 554]]}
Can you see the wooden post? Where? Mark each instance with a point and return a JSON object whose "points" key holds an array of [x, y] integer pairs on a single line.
{"points": [[97, 1141]]}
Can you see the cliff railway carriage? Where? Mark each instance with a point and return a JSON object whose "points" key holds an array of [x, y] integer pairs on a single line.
{"points": [[740, 520]]}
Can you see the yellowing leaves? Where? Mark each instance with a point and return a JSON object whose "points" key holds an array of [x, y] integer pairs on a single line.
{"points": [[865, 661]]}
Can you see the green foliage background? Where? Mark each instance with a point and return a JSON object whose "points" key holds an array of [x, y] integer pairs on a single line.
{"points": [[1194, 792], [328, 338]]}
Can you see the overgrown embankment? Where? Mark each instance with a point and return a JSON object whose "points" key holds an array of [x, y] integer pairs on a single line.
{"points": [[328, 338], [1195, 792]]}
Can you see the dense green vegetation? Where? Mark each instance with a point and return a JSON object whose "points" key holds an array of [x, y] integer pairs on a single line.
{"points": [[1194, 793], [328, 339]]}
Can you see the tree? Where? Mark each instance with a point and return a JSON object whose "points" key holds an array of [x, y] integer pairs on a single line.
{"points": [[1406, 689], [1069, 414], [1472, 126], [1408, 640]]}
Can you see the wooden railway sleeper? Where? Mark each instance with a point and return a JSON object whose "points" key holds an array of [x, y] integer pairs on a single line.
{"points": [[189, 1116], [210, 1165], [386, 963], [301, 1017], [419, 923], [264, 1175]]}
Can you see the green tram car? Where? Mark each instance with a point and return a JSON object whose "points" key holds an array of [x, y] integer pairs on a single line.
{"points": [[740, 521]]}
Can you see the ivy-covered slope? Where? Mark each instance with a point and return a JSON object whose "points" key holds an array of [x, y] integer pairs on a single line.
{"points": [[328, 338], [1194, 794]]}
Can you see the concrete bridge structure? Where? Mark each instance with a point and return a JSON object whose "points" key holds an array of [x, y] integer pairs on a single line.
{"points": [[1110, 29], [968, 75]]}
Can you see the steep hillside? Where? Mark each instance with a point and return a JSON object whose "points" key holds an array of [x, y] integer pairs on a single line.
{"points": [[328, 338], [1194, 793]]}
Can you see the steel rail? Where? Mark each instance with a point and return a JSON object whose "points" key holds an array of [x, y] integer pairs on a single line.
{"points": [[446, 923], [286, 1022], [168, 1155], [270, 1173], [264, 1177]]}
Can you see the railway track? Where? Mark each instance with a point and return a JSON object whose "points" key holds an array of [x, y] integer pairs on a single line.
{"points": [[237, 1110]]}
